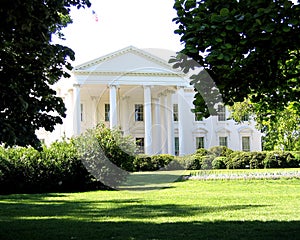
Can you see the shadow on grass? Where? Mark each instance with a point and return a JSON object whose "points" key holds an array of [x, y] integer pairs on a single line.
{"points": [[72, 229], [151, 180], [36, 217]]}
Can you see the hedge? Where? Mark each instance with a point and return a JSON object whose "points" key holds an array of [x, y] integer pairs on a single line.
{"points": [[61, 167], [55, 169]]}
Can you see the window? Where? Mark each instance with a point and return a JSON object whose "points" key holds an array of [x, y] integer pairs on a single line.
{"points": [[139, 112], [140, 145], [106, 112], [223, 141], [175, 112], [176, 141], [81, 112], [221, 113], [199, 142], [246, 144]]}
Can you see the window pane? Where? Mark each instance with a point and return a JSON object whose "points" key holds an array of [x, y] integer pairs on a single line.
{"points": [[106, 112], [139, 112], [223, 141], [246, 144], [221, 113], [140, 145], [175, 112], [81, 112], [176, 146], [199, 142]]}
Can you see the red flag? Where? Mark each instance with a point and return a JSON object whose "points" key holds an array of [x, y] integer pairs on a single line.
{"points": [[95, 15]]}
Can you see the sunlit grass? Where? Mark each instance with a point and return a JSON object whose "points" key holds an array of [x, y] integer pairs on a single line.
{"points": [[214, 209]]}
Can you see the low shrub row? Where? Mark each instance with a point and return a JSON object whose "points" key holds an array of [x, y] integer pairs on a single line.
{"points": [[222, 157], [102, 158], [57, 168]]}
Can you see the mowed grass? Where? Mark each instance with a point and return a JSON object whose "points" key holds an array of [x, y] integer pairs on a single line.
{"points": [[214, 209]]}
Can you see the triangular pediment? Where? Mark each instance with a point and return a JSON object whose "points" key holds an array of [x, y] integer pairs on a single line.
{"points": [[129, 60]]}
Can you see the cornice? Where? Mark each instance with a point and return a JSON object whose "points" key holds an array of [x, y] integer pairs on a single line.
{"points": [[156, 74]]}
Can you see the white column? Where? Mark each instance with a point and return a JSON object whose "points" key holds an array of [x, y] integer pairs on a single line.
{"points": [[94, 109], [125, 114], [170, 123], [163, 124], [113, 117], [181, 120], [156, 143], [148, 120], [77, 110]]}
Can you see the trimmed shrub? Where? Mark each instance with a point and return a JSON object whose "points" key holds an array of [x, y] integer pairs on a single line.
{"points": [[219, 163], [280, 160], [238, 160], [202, 152], [257, 160], [57, 168], [162, 160], [142, 162], [206, 162], [220, 151]]}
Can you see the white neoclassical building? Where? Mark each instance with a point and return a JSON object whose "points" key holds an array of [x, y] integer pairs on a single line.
{"points": [[142, 94]]}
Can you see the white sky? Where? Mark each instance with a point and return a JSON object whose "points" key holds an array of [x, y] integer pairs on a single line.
{"points": [[121, 23]]}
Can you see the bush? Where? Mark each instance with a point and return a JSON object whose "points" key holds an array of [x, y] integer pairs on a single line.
{"points": [[280, 160], [57, 168], [257, 160], [107, 154], [238, 160], [220, 151], [206, 162], [219, 163], [162, 160], [202, 152], [143, 162]]}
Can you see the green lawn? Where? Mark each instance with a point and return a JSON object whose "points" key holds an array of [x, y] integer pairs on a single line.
{"points": [[214, 209]]}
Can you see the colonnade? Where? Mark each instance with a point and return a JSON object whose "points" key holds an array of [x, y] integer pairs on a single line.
{"points": [[158, 117]]}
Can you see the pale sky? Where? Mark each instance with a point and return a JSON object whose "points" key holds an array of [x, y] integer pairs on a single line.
{"points": [[121, 23]]}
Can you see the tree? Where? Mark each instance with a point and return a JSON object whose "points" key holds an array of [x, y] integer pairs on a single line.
{"points": [[250, 48], [29, 65], [281, 129]]}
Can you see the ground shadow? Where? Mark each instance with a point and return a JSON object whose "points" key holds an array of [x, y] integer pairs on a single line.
{"points": [[89, 220]]}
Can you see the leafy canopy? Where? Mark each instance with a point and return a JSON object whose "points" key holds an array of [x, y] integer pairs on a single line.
{"points": [[281, 129], [250, 48], [29, 64]]}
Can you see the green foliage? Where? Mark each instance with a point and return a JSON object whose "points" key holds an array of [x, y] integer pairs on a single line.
{"points": [[219, 163], [239, 160], [29, 65], [253, 40], [220, 151], [257, 160], [202, 151], [56, 168], [144, 162], [206, 162], [281, 128], [107, 154]]}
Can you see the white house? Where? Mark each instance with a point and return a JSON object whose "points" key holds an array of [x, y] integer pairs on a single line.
{"points": [[143, 95]]}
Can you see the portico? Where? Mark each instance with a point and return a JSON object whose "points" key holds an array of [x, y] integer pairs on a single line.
{"points": [[143, 96]]}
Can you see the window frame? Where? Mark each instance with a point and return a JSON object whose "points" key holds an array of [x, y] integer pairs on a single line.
{"points": [[221, 138], [138, 112], [248, 143], [106, 113]]}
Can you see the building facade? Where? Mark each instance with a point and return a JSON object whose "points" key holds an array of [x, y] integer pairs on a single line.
{"points": [[142, 94]]}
